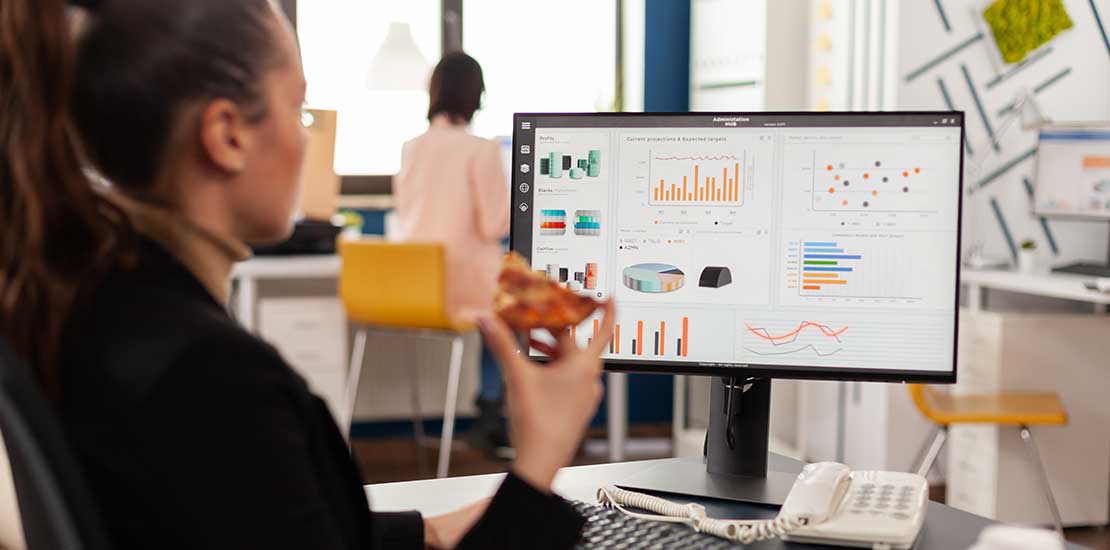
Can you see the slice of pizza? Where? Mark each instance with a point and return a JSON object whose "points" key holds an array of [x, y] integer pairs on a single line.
{"points": [[527, 299]]}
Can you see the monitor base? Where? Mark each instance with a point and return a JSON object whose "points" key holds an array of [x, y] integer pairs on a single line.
{"points": [[736, 466], [689, 477]]}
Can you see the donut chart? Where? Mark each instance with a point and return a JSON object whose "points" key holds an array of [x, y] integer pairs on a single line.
{"points": [[653, 278]]}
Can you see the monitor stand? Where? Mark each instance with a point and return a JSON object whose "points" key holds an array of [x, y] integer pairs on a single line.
{"points": [[736, 466]]}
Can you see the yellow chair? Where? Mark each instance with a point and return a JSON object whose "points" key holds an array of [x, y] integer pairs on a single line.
{"points": [[401, 286], [1005, 409]]}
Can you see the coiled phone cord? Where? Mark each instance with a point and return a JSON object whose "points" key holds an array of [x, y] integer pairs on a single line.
{"points": [[743, 531]]}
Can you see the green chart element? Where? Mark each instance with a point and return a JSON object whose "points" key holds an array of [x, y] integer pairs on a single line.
{"points": [[555, 164]]}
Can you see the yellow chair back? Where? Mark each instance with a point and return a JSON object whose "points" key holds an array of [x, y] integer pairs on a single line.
{"points": [[394, 284], [921, 400]]}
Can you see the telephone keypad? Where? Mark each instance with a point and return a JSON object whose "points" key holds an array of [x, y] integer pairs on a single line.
{"points": [[879, 500]]}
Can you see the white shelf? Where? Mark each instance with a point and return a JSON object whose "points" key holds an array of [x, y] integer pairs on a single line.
{"points": [[323, 266], [1052, 285]]}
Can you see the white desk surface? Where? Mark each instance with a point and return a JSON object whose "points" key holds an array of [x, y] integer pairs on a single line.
{"points": [[288, 267], [438, 496], [1053, 285]]}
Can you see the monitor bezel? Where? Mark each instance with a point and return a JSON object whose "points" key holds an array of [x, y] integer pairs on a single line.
{"points": [[760, 370]]}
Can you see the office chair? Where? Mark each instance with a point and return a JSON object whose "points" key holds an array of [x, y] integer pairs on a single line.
{"points": [[1003, 409], [55, 506], [401, 286]]}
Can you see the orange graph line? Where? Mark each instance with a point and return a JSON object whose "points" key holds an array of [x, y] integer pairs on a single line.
{"points": [[804, 325], [722, 157]]}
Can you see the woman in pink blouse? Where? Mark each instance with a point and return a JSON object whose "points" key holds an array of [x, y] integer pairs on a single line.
{"points": [[451, 189]]}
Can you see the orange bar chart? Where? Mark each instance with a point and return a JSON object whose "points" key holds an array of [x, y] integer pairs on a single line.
{"points": [[662, 336], [723, 190], [638, 344], [656, 344]]}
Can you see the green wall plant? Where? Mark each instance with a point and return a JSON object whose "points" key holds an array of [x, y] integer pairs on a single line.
{"points": [[1021, 26]]}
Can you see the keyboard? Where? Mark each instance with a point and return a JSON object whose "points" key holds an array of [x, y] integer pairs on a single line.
{"points": [[609, 529], [1084, 268]]}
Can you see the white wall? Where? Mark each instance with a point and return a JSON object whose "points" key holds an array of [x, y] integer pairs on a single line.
{"points": [[1082, 93]]}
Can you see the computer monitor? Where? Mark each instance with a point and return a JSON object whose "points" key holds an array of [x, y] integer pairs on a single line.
{"points": [[752, 246], [1072, 177]]}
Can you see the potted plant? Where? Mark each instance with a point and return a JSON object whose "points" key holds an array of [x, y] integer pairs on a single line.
{"points": [[1027, 256]]}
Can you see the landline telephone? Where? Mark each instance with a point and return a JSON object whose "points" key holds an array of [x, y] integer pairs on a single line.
{"points": [[828, 504]]}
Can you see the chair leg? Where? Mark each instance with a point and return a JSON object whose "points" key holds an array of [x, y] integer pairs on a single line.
{"points": [[928, 455], [1035, 458], [419, 438], [354, 373], [449, 406]]}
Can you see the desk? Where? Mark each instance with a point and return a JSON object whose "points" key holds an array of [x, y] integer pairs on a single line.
{"points": [[945, 528], [1051, 285], [245, 276]]}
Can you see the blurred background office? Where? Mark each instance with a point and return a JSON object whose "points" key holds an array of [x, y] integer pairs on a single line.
{"points": [[1018, 68]]}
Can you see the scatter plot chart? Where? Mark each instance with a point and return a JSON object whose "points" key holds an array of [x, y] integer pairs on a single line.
{"points": [[866, 184]]}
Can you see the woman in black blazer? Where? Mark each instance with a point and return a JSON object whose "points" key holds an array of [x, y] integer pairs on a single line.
{"points": [[194, 433]]}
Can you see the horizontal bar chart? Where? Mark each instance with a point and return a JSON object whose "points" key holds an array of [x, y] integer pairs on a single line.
{"points": [[825, 266]]}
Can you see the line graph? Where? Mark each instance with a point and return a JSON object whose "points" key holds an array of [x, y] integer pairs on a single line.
{"points": [[774, 341], [701, 158], [793, 335], [806, 347], [677, 179], [846, 339]]}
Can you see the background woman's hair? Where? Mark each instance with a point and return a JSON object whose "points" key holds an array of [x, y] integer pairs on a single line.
{"points": [[456, 88], [138, 63]]}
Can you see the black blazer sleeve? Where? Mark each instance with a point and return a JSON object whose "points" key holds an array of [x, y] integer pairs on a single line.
{"points": [[520, 516], [235, 446]]}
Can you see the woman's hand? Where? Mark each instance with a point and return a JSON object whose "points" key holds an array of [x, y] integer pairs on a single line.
{"points": [[549, 406], [443, 532]]}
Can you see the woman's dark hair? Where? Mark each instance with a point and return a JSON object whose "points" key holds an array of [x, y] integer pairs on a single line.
{"points": [[115, 98], [141, 61], [456, 88]]}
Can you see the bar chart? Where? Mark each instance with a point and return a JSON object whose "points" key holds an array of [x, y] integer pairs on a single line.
{"points": [[556, 164], [826, 266], [696, 180], [573, 278], [650, 338], [864, 269]]}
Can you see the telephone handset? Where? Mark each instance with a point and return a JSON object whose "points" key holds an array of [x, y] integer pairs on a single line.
{"points": [[828, 504]]}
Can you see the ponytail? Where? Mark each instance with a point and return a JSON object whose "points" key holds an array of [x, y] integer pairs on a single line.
{"points": [[57, 234]]}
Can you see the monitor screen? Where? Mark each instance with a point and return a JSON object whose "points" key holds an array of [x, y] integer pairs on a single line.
{"points": [[795, 245], [1072, 177]]}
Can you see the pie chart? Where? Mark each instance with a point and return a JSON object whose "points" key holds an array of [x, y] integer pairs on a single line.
{"points": [[653, 278]]}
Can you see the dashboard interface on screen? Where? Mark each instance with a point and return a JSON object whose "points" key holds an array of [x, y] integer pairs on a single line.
{"points": [[809, 245]]}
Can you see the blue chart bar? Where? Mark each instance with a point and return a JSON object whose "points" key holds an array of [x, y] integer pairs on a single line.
{"points": [[819, 244], [832, 257], [824, 250], [829, 269]]}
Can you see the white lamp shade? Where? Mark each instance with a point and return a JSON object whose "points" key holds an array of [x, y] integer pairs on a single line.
{"points": [[398, 65]]}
